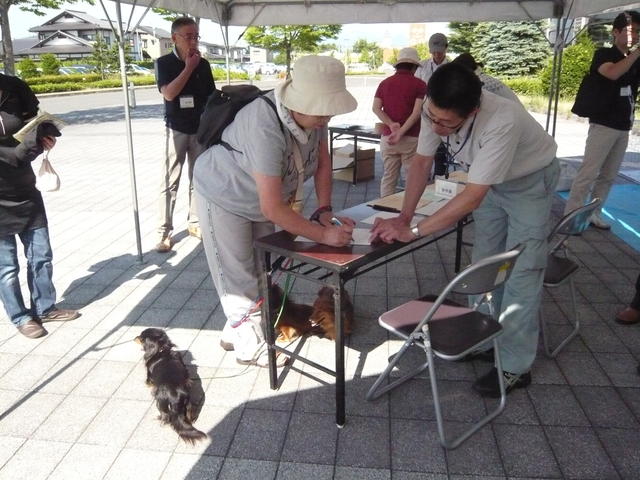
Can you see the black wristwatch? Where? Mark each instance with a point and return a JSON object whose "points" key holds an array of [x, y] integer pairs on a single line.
{"points": [[315, 216]]}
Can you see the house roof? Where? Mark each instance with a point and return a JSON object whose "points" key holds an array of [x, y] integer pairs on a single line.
{"points": [[75, 45], [156, 32], [80, 21]]}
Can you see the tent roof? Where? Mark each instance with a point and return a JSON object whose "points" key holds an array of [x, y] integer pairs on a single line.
{"points": [[302, 12]]}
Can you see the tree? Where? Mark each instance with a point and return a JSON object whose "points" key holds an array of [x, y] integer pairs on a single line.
{"points": [[33, 6], [510, 48], [50, 64], [288, 39], [362, 45], [107, 58], [100, 57], [598, 32], [576, 60], [461, 36], [423, 50], [28, 68], [370, 53]]}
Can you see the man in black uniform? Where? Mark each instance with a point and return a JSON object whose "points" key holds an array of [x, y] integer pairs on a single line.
{"points": [[185, 81], [22, 213], [609, 128]]}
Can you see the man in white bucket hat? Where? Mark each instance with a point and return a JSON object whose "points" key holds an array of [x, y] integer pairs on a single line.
{"points": [[397, 104], [252, 182]]}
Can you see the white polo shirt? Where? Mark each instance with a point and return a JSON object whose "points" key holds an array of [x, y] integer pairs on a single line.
{"points": [[501, 142], [427, 67]]}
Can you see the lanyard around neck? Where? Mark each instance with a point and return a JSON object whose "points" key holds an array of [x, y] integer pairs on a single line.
{"points": [[451, 155]]}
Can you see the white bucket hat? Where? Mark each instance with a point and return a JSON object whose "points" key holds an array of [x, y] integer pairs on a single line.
{"points": [[408, 55], [317, 87]]}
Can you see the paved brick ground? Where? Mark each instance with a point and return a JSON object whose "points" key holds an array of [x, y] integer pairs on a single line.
{"points": [[74, 405]]}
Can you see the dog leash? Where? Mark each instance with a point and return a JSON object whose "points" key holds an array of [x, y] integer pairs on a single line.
{"points": [[257, 303]]}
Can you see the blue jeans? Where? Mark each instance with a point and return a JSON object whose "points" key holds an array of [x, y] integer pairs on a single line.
{"points": [[37, 251], [517, 212]]}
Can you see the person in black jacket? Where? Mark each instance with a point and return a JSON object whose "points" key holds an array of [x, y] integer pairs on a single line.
{"points": [[185, 81], [609, 129], [22, 213]]}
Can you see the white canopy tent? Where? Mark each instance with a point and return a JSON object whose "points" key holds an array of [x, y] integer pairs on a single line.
{"points": [[309, 12]]}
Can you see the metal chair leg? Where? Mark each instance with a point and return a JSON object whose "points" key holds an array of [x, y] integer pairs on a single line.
{"points": [[456, 442], [375, 391], [576, 326]]}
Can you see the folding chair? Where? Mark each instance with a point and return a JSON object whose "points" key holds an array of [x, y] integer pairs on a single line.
{"points": [[560, 268], [450, 331]]}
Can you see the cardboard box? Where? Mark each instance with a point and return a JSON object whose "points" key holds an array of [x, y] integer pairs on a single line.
{"points": [[343, 159], [366, 171]]}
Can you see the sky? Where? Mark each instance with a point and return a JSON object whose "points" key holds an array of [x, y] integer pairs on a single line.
{"points": [[395, 34]]}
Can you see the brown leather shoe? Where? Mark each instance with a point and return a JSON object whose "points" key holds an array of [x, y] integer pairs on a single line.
{"points": [[164, 244], [628, 316], [59, 315], [32, 329]]}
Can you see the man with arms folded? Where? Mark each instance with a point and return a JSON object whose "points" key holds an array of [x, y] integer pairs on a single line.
{"points": [[512, 176]]}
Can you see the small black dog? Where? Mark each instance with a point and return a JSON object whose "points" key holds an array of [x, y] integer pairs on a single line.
{"points": [[168, 377]]}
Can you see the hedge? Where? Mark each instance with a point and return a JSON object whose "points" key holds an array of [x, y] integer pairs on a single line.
{"points": [[78, 84], [525, 85]]}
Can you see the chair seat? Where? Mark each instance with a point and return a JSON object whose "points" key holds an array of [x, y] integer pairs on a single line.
{"points": [[463, 329], [558, 270]]}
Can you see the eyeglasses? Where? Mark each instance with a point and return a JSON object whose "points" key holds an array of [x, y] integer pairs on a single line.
{"points": [[439, 123], [189, 38]]}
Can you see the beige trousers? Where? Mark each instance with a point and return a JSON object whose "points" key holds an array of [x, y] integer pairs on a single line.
{"points": [[178, 147], [603, 155], [393, 158]]}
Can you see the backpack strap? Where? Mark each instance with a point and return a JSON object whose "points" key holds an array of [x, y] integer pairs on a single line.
{"points": [[273, 106]]}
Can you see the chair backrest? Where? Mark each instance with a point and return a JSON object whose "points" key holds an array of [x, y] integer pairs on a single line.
{"points": [[485, 275], [479, 278], [573, 223]]}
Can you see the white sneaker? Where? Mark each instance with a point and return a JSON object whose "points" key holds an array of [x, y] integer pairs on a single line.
{"points": [[596, 220], [227, 338]]}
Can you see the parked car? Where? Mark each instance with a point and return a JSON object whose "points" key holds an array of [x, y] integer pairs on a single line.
{"points": [[250, 68], [268, 68], [358, 68], [85, 68], [69, 71], [138, 70]]}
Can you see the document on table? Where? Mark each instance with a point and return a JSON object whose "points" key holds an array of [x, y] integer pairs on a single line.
{"points": [[432, 207], [360, 237], [387, 215]]}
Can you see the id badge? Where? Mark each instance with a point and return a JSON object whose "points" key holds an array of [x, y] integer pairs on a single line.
{"points": [[625, 91], [186, 101]]}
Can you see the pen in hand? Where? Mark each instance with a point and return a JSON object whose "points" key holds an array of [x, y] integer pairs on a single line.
{"points": [[336, 222]]}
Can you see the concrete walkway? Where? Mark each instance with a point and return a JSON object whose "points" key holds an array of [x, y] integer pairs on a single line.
{"points": [[74, 405]]}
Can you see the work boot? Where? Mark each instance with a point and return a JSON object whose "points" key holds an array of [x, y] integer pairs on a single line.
{"points": [[488, 385]]}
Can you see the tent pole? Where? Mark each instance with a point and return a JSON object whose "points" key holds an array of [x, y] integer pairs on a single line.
{"points": [[559, 72], [226, 52], [554, 81], [127, 118]]}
